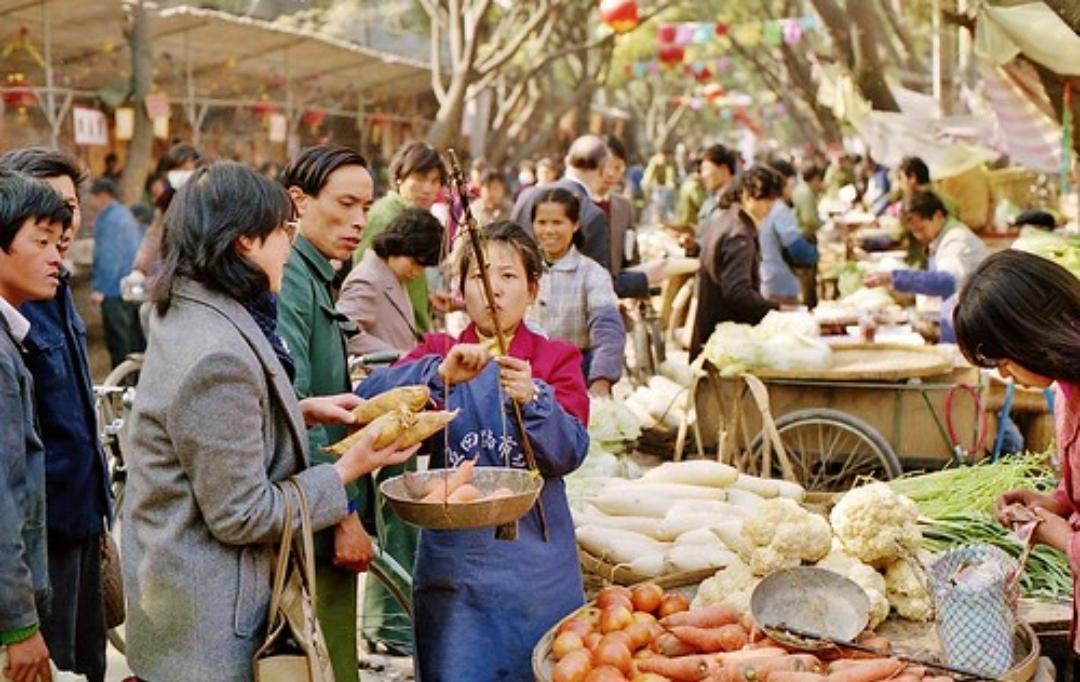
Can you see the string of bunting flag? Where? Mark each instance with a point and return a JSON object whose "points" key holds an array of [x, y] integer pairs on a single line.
{"points": [[673, 38]]}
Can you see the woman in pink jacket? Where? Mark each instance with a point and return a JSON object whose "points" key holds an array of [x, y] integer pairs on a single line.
{"points": [[1020, 313]]}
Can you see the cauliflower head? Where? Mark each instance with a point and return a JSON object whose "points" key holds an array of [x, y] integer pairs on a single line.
{"points": [[872, 582], [731, 586], [907, 592], [876, 525], [781, 534]]}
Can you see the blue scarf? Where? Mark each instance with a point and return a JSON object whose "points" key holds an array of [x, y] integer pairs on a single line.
{"points": [[263, 309]]}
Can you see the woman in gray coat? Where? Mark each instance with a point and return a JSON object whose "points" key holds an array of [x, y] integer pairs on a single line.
{"points": [[214, 426]]}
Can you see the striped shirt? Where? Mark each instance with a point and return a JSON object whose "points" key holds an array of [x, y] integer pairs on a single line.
{"points": [[577, 304]]}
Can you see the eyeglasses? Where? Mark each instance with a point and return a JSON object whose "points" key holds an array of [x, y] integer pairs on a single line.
{"points": [[292, 230]]}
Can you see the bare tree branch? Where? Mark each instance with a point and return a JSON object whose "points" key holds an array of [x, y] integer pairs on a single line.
{"points": [[500, 57]]}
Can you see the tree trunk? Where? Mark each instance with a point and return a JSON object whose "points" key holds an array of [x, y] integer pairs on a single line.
{"points": [[868, 70], [141, 147], [447, 126]]}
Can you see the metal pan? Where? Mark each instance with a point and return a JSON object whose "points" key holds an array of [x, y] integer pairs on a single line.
{"points": [[810, 599], [466, 515]]}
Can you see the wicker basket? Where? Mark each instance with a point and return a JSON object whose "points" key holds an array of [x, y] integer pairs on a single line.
{"points": [[543, 660]]}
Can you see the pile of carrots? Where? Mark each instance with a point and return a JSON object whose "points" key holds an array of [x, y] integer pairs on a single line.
{"points": [[452, 487], [647, 635]]}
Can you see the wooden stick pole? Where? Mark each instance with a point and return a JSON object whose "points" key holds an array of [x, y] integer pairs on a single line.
{"points": [[457, 180]]}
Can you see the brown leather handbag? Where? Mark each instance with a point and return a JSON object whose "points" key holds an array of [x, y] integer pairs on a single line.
{"points": [[294, 649]]}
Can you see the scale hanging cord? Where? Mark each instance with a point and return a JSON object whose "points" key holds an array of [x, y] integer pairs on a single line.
{"points": [[468, 222]]}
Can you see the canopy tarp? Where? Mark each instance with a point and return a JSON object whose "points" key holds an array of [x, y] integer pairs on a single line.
{"points": [[83, 34], [1033, 29]]}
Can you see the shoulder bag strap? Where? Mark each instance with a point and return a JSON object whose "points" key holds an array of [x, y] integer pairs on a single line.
{"points": [[281, 568], [307, 547]]}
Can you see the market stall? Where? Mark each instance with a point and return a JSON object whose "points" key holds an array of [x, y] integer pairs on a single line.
{"points": [[888, 543]]}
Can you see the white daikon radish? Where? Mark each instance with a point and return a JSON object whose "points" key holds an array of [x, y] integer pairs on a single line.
{"points": [[646, 525], [631, 503], [759, 486], [677, 491], [699, 536], [744, 498], [697, 557], [649, 565], [693, 472], [617, 546], [673, 527], [790, 490], [724, 511]]}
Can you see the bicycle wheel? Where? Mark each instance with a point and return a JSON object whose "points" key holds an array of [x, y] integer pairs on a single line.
{"points": [[829, 450], [114, 410]]}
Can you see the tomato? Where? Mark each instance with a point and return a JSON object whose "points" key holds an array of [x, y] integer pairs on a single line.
{"points": [[575, 667], [647, 597], [565, 643], [578, 626], [673, 602], [615, 618], [614, 654], [605, 673], [640, 635]]}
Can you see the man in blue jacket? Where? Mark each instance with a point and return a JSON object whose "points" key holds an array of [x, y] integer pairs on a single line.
{"points": [[32, 218], [76, 477], [116, 241]]}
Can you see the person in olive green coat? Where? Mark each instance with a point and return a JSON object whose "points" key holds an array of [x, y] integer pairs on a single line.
{"points": [[332, 191], [417, 173]]}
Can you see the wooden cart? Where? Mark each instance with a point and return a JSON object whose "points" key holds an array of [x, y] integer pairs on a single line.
{"points": [[915, 409]]}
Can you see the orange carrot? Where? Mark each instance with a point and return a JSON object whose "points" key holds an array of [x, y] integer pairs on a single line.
{"points": [[938, 678], [906, 677], [707, 617], [465, 493], [916, 670], [438, 489], [795, 676], [710, 640], [733, 657], [668, 644], [868, 671], [688, 668], [759, 670]]}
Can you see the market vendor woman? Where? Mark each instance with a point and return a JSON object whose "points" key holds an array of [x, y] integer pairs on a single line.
{"points": [[1020, 313], [481, 604]]}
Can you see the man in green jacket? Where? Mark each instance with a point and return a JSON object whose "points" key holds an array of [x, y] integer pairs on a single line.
{"points": [[333, 191]]}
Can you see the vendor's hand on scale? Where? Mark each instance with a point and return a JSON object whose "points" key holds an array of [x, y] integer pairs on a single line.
{"points": [[465, 361], [362, 458]]}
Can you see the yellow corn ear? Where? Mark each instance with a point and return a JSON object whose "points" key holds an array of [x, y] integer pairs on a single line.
{"points": [[412, 398], [388, 427], [427, 424]]}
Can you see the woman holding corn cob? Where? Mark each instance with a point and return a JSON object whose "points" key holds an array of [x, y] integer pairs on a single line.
{"points": [[215, 425], [1020, 313], [480, 604]]}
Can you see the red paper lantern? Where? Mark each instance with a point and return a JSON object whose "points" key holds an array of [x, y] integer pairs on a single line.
{"points": [[313, 118], [619, 15], [703, 76], [666, 33], [671, 54]]}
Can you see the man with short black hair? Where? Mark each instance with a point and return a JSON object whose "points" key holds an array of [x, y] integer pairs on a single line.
{"points": [[584, 178], [76, 472], [32, 220], [332, 191], [116, 241]]}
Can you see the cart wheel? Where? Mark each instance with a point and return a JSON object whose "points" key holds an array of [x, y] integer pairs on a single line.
{"points": [[829, 449]]}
